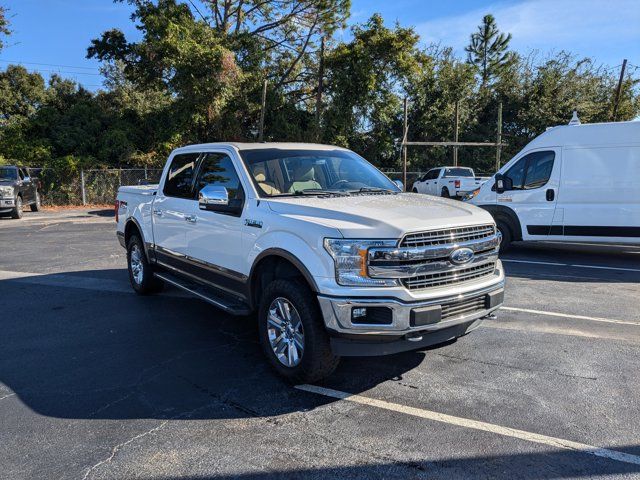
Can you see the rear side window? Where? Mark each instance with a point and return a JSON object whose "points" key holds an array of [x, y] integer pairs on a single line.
{"points": [[179, 181], [458, 172], [218, 169]]}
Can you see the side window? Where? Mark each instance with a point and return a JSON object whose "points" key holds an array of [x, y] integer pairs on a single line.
{"points": [[218, 169], [538, 169], [433, 174], [21, 173], [516, 173], [179, 179]]}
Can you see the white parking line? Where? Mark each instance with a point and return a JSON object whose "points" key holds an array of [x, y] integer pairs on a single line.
{"points": [[475, 424], [567, 315], [575, 265]]}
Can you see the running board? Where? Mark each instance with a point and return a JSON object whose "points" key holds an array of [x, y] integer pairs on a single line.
{"points": [[218, 299]]}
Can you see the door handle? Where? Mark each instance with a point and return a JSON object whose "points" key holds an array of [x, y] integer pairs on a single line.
{"points": [[157, 212], [191, 218], [551, 194]]}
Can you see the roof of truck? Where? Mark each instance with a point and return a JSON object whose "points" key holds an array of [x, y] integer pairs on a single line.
{"points": [[589, 134], [263, 145]]}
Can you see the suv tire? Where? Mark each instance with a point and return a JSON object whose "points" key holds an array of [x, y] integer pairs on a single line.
{"points": [[141, 276], [303, 326], [35, 206], [16, 213]]}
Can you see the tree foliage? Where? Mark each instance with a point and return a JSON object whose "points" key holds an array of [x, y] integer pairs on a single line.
{"points": [[196, 72]]}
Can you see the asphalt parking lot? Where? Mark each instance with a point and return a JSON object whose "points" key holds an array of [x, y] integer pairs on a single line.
{"points": [[96, 382]]}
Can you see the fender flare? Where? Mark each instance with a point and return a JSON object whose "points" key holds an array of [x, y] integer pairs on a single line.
{"points": [[505, 213], [141, 232]]}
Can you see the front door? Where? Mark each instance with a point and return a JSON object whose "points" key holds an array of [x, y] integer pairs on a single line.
{"points": [[214, 238], [533, 193], [171, 208]]}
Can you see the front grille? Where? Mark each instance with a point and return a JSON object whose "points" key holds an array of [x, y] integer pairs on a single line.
{"points": [[448, 236], [464, 307], [447, 278]]}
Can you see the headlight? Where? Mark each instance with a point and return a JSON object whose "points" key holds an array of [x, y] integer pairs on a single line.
{"points": [[471, 195], [350, 258], [6, 191]]}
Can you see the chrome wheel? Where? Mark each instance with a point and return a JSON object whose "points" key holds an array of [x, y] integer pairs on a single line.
{"points": [[286, 334], [137, 266]]}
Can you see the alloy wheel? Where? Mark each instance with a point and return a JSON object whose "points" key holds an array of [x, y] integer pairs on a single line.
{"points": [[286, 334]]}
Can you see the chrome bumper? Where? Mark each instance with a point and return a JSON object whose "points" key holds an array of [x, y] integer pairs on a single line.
{"points": [[7, 202], [337, 313]]}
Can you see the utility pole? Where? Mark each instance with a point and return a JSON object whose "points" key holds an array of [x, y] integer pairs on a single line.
{"points": [[404, 146], [264, 104], [499, 140], [319, 90], [455, 134], [618, 90]]}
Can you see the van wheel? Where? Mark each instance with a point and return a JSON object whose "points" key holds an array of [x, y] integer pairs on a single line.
{"points": [[16, 213], [141, 274], [445, 192], [292, 333], [507, 236], [35, 206]]}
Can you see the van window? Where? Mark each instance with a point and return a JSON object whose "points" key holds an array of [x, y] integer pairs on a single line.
{"points": [[516, 173], [179, 181], [538, 169]]}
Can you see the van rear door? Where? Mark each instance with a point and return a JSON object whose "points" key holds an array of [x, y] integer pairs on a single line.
{"points": [[534, 180]]}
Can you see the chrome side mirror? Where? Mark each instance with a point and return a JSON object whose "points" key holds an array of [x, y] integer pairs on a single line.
{"points": [[399, 184], [213, 195]]}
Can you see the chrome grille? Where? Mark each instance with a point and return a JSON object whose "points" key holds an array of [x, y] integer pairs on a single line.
{"points": [[448, 236], [448, 278], [464, 307]]}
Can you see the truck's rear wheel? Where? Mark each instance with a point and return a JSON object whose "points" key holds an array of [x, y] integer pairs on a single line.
{"points": [[445, 193], [16, 213], [141, 274], [35, 206], [292, 333]]}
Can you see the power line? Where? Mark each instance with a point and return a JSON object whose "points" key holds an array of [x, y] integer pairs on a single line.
{"points": [[46, 64]]}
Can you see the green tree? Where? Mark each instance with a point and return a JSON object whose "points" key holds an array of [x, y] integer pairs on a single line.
{"points": [[4, 26], [488, 49]]}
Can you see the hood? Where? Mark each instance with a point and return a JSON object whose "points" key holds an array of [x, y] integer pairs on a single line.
{"points": [[380, 216]]}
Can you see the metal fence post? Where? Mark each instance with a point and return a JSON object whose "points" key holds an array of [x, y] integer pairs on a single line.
{"points": [[84, 193]]}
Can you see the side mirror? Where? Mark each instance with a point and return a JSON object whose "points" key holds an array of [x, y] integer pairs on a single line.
{"points": [[212, 196], [500, 183], [399, 184]]}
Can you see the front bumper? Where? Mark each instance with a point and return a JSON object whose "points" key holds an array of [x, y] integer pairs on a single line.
{"points": [[7, 204], [410, 325]]}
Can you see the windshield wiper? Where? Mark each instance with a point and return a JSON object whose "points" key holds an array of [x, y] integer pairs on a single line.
{"points": [[372, 190], [319, 191]]}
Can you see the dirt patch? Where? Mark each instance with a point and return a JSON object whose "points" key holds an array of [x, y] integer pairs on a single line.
{"points": [[62, 208]]}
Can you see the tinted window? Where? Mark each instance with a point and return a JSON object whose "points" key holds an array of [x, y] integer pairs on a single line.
{"points": [[458, 172], [538, 169], [8, 173], [218, 169], [516, 173], [179, 179], [433, 174]]}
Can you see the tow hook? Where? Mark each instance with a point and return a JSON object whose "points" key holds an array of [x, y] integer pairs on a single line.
{"points": [[414, 337]]}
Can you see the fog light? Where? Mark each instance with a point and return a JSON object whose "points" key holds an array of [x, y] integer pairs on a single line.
{"points": [[360, 312]]}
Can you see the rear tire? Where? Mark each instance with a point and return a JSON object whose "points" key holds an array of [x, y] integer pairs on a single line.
{"points": [[141, 276], [35, 206], [16, 213], [445, 193], [303, 328], [415, 190], [507, 236]]}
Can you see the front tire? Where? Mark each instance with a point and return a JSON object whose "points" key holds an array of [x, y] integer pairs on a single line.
{"points": [[35, 206], [292, 333], [507, 236], [16, 213], [141, 276]]}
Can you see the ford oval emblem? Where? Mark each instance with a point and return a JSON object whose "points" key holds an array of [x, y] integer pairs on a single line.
{"points": [[461, 256]]}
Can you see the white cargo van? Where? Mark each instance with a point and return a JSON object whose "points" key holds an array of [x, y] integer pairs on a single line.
{"points": [[577, 183]]}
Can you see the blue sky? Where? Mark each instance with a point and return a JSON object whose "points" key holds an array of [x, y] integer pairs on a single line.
{"points": [[57, 32]]}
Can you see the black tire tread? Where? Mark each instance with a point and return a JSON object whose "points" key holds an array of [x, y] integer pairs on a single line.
{"points": [[150, 283]]}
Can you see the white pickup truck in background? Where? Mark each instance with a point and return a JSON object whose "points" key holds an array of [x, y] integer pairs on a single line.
{"points": [[454, 182], [323, 248]]}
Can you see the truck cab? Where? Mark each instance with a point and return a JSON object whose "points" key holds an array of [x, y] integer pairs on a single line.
{"points": [[327, 252]]}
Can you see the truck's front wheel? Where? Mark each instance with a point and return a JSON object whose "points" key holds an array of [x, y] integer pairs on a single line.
{"points": [[141, 274], [292, 333]]}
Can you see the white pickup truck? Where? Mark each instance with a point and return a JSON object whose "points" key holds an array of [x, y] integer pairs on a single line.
{"points": [[454, 182], [325, 249]]}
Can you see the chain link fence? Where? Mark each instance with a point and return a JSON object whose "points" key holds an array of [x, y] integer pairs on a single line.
{"points": [[91, 186]]}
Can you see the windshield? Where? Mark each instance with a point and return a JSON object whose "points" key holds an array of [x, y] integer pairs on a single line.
{"points": [[458, 172], [8, 173], [278, 172]]}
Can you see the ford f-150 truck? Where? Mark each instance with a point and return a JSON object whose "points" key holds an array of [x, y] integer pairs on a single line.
{"points": [[326, 251], [454, 182]]}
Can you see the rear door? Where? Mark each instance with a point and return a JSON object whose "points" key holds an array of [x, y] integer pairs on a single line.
{"points": [[535, 179], [171, 207]]}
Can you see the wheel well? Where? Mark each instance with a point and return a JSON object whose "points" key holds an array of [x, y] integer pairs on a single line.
{"points": [[129, 229], [508, 216], [270, 268]]}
